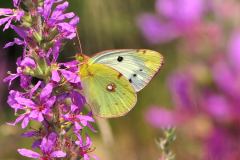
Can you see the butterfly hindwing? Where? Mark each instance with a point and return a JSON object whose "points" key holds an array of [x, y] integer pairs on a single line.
{"points": [[137, 65], [108, 92]]}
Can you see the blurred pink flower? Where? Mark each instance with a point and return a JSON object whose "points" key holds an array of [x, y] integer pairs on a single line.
{"points": [[182, 11], [160, 118], [222, 145], [217, 106], [174, 18], [155, 30], [234, 50]]}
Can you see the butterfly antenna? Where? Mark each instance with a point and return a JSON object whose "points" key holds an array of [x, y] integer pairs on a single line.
{"points": [[79, 41]]}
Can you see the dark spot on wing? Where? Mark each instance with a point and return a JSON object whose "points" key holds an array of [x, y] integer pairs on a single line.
{"points": [[134, 75], [144, 51], [140, 70], [130, 80], [120, 59]]}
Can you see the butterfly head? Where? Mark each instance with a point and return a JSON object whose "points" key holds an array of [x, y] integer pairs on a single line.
{"points": [[81, 57]]}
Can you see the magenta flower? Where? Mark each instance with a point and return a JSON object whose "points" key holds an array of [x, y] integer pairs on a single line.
{"points": [[33, 110], [21, 66], [70, 76], [85, 148], [160, 118], [155, 30], [15, 41], [16, 3], [222, 144], [24, 118], [226, 70], [47, 148], [38, 110], [13, 102], [57, 18], [79, 121], [182, 11], [181, 86], [67, 70], [234, 50], [174, 19], [9, 16]]}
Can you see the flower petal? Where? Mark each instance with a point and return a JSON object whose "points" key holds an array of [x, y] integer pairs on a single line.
{"points": [[25, 101], [25, 122], [70, 76], [28, 153], [58, 154], [28, 62], [46, 92], [78, 99], [55, 76]]}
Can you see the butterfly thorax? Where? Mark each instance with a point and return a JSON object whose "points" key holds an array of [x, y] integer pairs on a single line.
{"points": [[84, 70]]}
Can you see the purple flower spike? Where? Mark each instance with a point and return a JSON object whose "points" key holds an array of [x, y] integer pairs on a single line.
{"points": [[51, 92]]}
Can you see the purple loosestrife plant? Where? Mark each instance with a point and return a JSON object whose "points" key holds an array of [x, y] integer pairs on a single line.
{"points": [[205, 88], [54, 100]]}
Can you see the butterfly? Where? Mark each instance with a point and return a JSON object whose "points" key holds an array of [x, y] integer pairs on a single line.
{"points": [[111, 79]]}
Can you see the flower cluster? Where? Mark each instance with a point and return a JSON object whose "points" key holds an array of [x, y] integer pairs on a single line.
{"points": [[174, 18], [181, 20], [205, 89], [50, 92]]}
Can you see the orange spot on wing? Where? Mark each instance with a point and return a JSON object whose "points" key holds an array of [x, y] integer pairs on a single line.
{"points": [[111, 87], [119, 75], [90, 74]]}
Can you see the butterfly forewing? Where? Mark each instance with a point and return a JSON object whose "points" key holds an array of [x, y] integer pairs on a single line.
{"points": [[137, 65], [108, 93]]}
